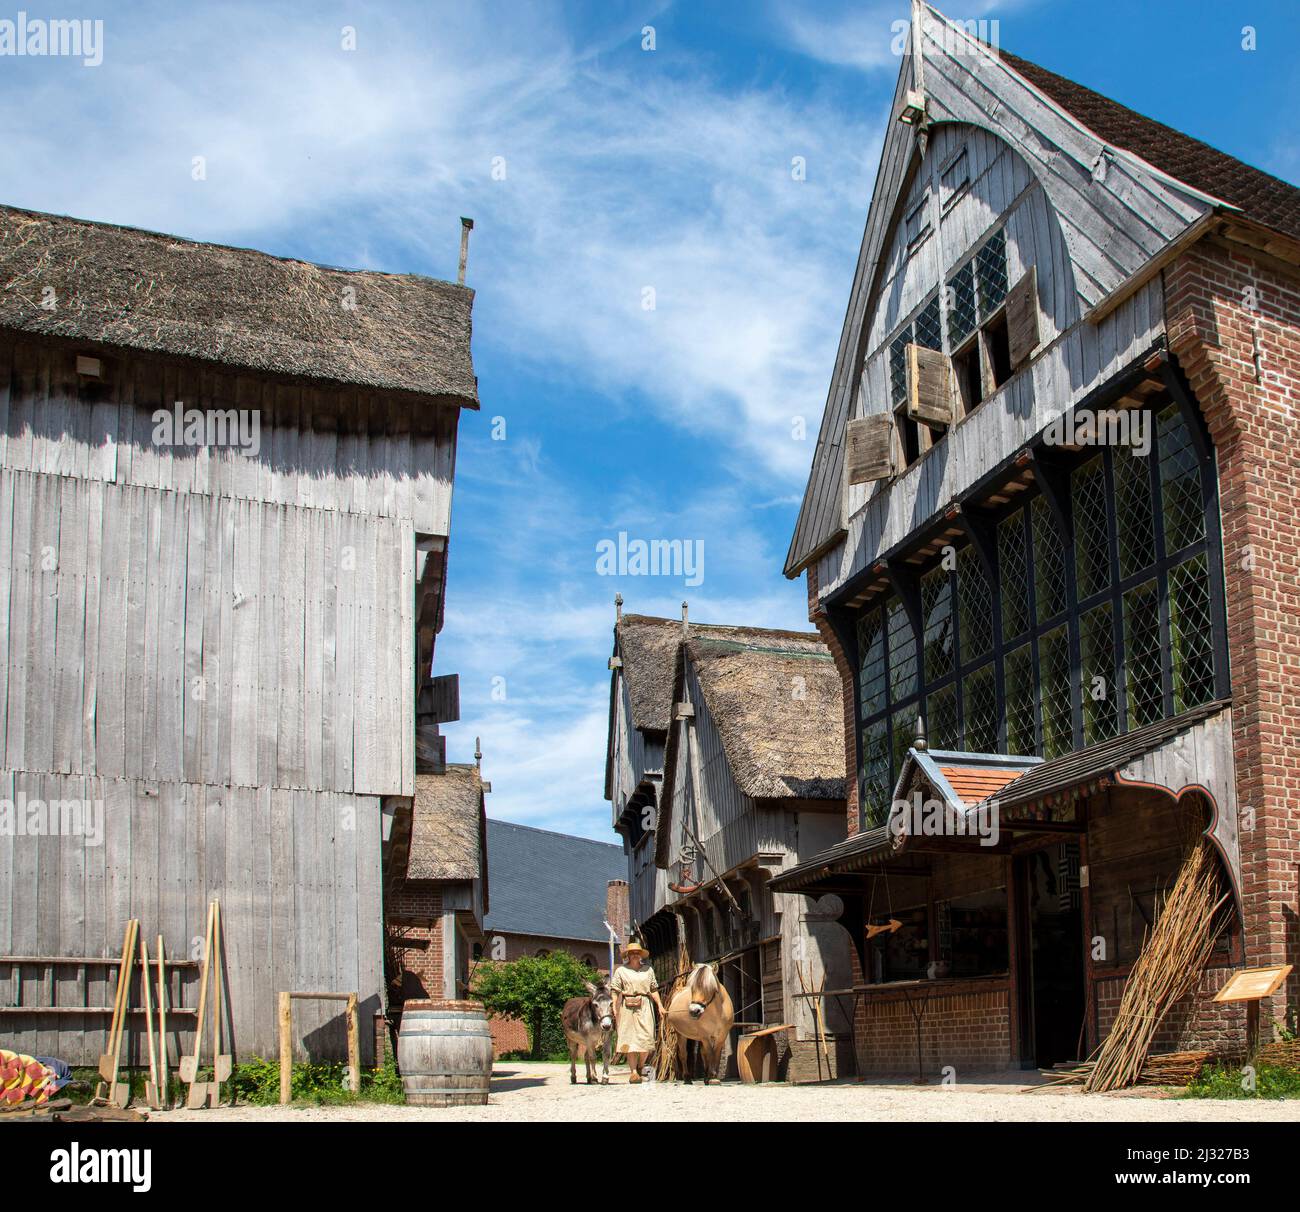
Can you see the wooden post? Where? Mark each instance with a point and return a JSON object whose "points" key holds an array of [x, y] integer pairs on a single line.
{"points": [[354, 1046], [286, 1047]]}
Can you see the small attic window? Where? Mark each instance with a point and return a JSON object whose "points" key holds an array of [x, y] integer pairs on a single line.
{"points": [[953, 179], [916, 223]]}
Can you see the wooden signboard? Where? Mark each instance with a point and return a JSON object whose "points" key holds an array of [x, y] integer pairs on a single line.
{"points": [[1022, 317], [869, 448], [929, 385], [1250, 984]]}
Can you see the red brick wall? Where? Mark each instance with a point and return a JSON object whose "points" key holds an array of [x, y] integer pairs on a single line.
{"points": [[966, 1026], [617, 912], [817, 616], [414, 920], [1219, 331]]}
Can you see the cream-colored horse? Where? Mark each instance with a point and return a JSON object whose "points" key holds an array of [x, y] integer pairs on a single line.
{"points": [[701, 1011]]}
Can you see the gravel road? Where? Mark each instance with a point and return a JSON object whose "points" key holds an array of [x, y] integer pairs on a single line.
{"points": [[542, 1092]]}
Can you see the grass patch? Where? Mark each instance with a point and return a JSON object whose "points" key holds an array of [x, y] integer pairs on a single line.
{"points": [[258, 1082], [1227, 1081]]}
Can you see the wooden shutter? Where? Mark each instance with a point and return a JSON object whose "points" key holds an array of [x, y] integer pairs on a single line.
{"points": [[929, 385], [869, 448], [1022, 317]]}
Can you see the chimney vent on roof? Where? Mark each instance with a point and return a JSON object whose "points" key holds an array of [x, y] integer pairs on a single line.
{"points": [[466, 226]]}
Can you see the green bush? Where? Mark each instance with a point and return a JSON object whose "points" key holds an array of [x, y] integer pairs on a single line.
{"points": [[534, 990]]}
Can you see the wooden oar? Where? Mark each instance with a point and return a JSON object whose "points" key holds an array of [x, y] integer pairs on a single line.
{"points": [[198, 1092], [151, 1086], [165, 1085]]}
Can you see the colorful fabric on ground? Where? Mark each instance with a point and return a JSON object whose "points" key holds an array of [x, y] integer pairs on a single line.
{"points": [[23, 1078]]}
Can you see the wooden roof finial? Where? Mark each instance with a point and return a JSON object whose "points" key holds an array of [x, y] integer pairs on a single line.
{"points": [[618, 607], [478, 753], [919, 742], [686, 618]]}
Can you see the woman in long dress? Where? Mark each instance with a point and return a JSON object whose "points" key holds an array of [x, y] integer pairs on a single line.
{"points": [[636, 995]]}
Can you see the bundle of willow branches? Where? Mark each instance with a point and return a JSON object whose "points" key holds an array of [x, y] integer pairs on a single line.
{"points": [[666, 1046], [1169, 967], [1159, 1069]]}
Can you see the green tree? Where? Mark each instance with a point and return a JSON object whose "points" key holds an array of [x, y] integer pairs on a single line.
{"points": [[533, 989]]}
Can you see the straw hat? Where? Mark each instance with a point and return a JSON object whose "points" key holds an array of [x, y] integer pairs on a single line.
{"points": [[634, 944]]}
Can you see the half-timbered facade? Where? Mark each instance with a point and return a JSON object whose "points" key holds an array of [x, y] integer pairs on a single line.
{"points": [[1027, 530], [225, 492], [748, 779]]}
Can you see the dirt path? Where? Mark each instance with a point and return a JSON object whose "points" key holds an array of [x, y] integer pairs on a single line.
{"points": [[543, 1092]]}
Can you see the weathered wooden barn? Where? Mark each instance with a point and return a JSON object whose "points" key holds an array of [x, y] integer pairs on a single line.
{"points": [[1051, 516], [225, 490], [725, 767]]}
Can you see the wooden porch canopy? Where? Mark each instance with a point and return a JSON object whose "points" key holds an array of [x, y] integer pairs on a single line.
{"points": [[1191, 752]]}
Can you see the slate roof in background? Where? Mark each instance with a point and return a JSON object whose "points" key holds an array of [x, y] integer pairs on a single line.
{"points": [[121, 286], [549, 884]]}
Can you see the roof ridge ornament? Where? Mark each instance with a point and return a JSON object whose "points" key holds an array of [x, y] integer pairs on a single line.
{"points": [[919, 741]]}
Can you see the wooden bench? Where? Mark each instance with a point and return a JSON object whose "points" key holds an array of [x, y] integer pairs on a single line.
{"points": [[754, 1052]]}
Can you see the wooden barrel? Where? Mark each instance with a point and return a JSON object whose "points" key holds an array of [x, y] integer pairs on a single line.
{"points": [[444, 1052]]}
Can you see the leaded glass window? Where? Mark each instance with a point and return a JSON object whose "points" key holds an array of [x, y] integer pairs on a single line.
{"points": [[1134, 514], [1142, 656], [1097, 653], [1180, 482], [929, 330], [904, 735], [902, 652], [898, 365], [975, 605], [936, 614], [980, 707], [991, 272], [1020, 696], [1054, 679], [871, 656], [1013, 570], [1050, 588], [1091, 527], [1191, 634], [876, 789], [962, 317], [941, 718]]}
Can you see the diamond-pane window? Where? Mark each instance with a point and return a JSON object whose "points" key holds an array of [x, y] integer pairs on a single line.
{"points": [[929, 330], [1180, 482], [902, 652], [871, 653], [1191, 639], [936, 613], [1054, 674], [898, 365], [980, 707], [1014, 574], [1097, 652], [1133, 512], [941, 719], [904, 733], [876, 789], [1019, 677], [991, 273], [1091, 528], [961, 305], [1142, 656], [1049, 562], [975, 606]]}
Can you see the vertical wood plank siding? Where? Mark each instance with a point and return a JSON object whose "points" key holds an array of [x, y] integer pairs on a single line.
{"points": [[219, 651]]}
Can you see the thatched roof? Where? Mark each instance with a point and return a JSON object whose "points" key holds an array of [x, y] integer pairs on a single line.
{"points": [[648, 648], [448, 827], [777, 704], [134, 289]]}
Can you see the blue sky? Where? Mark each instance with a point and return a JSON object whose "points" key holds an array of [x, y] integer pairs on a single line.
{"points": [[624, 169]]}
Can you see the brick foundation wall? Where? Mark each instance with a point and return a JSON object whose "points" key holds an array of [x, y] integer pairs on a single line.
{"points": [[817, 616], [1230, 311], [966, 1027]]}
